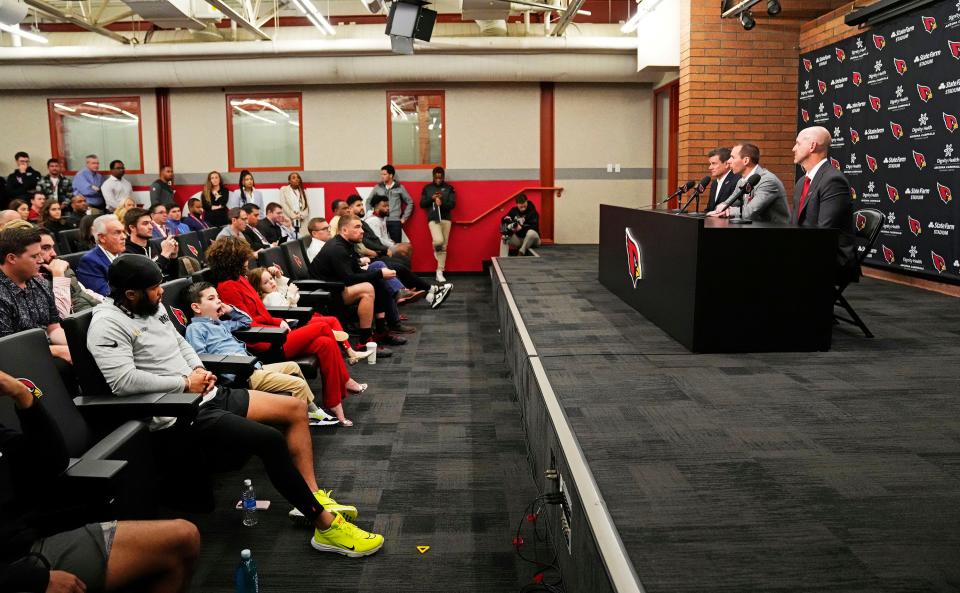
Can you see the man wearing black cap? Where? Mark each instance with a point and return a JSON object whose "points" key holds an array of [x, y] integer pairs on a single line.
{"points": [[138, 351]]}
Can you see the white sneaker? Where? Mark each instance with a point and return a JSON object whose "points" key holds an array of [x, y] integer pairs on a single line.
{"points": [[442, 292], [440, 278], [321, 418], [431, 294]]}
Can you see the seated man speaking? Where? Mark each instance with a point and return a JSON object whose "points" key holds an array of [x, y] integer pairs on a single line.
{"points": [[767, 200]]}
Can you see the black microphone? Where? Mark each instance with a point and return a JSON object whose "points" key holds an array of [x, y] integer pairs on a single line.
{"points": [[680, 191], [742, 191], [701, 187]]}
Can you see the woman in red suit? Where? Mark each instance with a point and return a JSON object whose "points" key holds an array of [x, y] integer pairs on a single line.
{"points": [[228, 258]]}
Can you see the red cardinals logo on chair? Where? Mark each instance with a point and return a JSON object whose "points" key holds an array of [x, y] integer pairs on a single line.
{"points": [[915, 227], [634, 263], [938, 262], [835, 163], [954, 49], [34, 390], [919, 159], [193, 250], [861, 221], [857, 78], [888, 254], [807, 65], [925, 93], [841, 55], [871, 164], [879, 41], [821, 86], [892, 193], [900, 65], [854, 136], [875, 103], [945, 194], [929, 23], [805, 114], [181, 318], [950, 121], [298, 261], [837, 111], [897, 130]]}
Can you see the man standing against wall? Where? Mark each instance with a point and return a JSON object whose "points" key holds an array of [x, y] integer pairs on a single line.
{"points": [[23, 180], [401, 204], [438, 199], [88, 182], [161, 190], [55, 185], [116, 188]]}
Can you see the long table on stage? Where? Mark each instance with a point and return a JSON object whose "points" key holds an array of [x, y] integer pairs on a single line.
{"points": [[721, 287]]}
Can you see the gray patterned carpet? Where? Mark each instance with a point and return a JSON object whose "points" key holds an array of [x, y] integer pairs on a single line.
{"points": [[835, 471], [436, 458]]}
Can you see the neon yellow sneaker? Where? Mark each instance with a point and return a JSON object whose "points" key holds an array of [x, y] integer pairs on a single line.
{"points": [[324, 497], [346, 538]]}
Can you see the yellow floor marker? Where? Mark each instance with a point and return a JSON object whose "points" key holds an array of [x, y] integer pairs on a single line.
{"points": [[423, 549]]}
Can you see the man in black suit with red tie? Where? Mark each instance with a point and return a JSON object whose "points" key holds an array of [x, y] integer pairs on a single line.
{"points": [[723, 182], [821, 198]]}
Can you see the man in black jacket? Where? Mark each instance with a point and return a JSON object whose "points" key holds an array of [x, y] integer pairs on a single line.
{"points": [[136, 222], [724, 181], [270, 227], [522, 225], [37, 555], [339, 261], [438, 199], [23, 180], [822, 198], [252, 233]]}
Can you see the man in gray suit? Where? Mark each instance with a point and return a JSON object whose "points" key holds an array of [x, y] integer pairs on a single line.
{"points": [[767, 202]]}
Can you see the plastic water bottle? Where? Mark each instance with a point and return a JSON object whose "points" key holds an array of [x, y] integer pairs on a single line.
{"points": [[248, 502], [248, 581]]}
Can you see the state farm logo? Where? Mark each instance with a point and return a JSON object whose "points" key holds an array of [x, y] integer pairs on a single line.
{"points": [[854, 136], [929, 23], [821, 86], [841, 55], [925, 92], [838, 83], [950, 87], [879, 41], [916, 193], [871, 163], [950, 121], [945, 194], [875, 102], [805, 115], [837, 111], [902, 34], [807, 64], [939, 264], [854, 107], [927, 58], [634, 258], [897, 130], [914, 225], [900, 66], [941, 228], [894, 162], [893, 194], [888, 254], [919, 159], [874, 133]]}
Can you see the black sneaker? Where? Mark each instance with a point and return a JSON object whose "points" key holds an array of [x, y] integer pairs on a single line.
{"points": [[441, 295], [383, 352]]}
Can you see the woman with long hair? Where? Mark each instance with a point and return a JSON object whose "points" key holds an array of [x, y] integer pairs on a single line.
{"points": [[293, 199], [52, 219], [125, 204], [247, 193], [228, 258], [21, 208], [214, 198]]}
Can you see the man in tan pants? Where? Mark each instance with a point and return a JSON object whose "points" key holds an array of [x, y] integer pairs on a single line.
{"points": [[438, 199]]}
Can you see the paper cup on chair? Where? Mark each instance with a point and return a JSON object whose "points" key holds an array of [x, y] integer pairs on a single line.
{"points": [[372, 348]]}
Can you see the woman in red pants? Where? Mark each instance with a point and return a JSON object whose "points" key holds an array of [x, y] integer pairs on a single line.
{"points": [[228, 259]]}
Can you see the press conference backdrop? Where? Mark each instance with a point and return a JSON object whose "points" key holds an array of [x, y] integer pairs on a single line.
{"points": [[891, 98]]}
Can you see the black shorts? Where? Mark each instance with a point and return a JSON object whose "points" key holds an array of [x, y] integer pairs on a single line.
{"points": [[83, 552], [226, 401]]}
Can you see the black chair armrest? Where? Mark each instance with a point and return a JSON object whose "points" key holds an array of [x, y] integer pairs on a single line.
{"points": [[119, 437], [228, 364], [315, 298], [319, 285], [301, 314], [134, 407], [95, 471], [267, 335]]}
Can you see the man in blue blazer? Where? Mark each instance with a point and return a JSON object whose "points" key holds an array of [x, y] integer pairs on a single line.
{"points": [[724, 180], [110, 239]]}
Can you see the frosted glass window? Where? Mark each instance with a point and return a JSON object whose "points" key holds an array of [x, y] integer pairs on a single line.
{"points": [[265, 132], [106, 127], [416, 130]]}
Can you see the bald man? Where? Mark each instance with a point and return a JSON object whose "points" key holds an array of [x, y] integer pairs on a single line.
{"points": [[822, 198], [8, 215]]}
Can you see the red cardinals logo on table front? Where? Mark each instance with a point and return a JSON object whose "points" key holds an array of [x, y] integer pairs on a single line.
{"points": [[879, 41], [841, 55], [925, 92], [938, 262], [915, 227], [897, 130], [835, 163], [634, 260], [954, 49], [837, 110], [875, 102], [857, 78], [929, 23], [805, 114], [871, 164], [861, 221], [807, 65], [950, 121], [821, 86], [919, 159], [888, 254], [34, 390], [892, 193], [181, 318], [900, 65], [945, 194]]}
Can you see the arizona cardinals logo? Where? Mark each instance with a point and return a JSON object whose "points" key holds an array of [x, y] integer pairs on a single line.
{"points": [[938, 262], [861, 221], [892, 193], [879, 41], [835, 163], [954, 49], [837, 110], [181, 318], [950, 121], [298, 261], [925, 93], [841, 55], [945, 194], [919, 159], [854, 136], [915, 227], [857, 78], [821, 86], [875, 103], [900, 65], [807, 65], [871, 164], [193, 250], [897, 130], [853, 193], [929, 23], [34, 390], [887, 254], [634, 263], [805, 115]]}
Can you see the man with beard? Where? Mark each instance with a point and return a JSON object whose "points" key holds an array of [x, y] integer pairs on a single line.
{"points": [[137, 223]]}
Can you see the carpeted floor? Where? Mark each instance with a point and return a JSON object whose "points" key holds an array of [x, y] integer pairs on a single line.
{"points": [[436, 458], [836, 471]]}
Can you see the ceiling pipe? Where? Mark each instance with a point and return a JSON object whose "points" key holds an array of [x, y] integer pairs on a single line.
{"points": [[572, 9], [83, 24], [238, 18]]}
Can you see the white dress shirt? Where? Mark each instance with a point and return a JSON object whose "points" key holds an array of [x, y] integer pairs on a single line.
{"points": [[115, 190]]}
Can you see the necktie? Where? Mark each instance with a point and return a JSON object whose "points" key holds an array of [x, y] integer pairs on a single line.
{"points": [[803, 196]]}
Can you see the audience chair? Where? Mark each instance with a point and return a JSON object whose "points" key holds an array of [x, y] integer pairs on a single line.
{"points": [[868, 223], [309, 296], [72, 258], [191, 246], [208, 236], [67, 241]]}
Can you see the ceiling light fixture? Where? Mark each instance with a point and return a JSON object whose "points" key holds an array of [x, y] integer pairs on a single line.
{"points": [[313, 15], [773, 7]]}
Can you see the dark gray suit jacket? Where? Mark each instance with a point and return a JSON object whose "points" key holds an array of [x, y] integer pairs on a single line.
{"points": [[768, 200], [725, 191], [830, 205]]}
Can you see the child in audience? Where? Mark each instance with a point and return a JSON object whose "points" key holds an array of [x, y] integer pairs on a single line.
{"points": [[210, 332]]}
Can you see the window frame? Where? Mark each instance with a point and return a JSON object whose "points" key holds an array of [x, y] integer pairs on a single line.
{"points": [[55, 136], [443, 121], [231, 164]]}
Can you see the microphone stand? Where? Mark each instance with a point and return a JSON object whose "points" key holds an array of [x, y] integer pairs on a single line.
{"points": [[697, 214], [740, 220]]}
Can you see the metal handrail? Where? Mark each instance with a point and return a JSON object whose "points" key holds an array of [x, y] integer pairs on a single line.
{"points": [[500, 204]]}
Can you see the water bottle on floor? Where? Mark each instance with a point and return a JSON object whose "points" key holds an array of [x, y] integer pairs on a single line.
{"points": [[248, 502], [248, 581]]}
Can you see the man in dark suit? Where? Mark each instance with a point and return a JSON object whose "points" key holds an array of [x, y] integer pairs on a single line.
{"points": [[723, 181], [252, 234], [111, 239], [822, 198], [270, 227]]}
